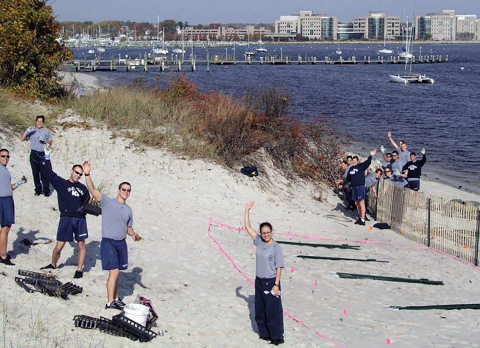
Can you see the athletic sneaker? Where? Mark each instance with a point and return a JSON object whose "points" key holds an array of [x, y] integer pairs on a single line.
{"points": [[120, 302], [361, 223], [357, 222], [49, 266], [115, 304], [277, 342], [78, 274], [367, 219], [7, 261]]}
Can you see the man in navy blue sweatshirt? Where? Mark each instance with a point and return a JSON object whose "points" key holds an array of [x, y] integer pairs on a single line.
{"points": [[412, 170], [71, 196], [356, 178]]}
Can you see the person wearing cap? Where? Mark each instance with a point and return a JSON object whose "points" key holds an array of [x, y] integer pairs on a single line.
{"points": [[412, 170], [38, 136]]}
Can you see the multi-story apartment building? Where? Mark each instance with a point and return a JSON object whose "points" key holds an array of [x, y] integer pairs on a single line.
{"points": [[377, 26], [439, 27]]}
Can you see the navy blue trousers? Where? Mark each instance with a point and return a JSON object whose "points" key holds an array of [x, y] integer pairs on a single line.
{"points": [[268, 310], [42, 184]]}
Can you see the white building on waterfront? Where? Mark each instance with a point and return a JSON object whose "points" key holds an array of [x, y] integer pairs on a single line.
{"points": [[438, 27], [377, 26], [306, 25]]}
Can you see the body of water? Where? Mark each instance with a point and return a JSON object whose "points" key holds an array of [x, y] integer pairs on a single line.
{"points": [[443, 117]]}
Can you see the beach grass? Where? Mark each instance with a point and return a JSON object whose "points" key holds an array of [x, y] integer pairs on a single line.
{"points": [[230, 131]]}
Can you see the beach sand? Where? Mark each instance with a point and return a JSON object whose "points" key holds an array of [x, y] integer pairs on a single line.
{"points": [[196, 264]]}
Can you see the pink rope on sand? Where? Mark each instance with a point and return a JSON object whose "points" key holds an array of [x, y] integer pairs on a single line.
{"points": [[222, 225]]}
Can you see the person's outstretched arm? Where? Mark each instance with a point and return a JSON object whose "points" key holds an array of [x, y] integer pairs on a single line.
{"points": [[88, 180], [248, 227], [394, 144]]}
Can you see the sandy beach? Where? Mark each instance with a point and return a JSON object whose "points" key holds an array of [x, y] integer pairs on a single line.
{"points": [[197, 264]]}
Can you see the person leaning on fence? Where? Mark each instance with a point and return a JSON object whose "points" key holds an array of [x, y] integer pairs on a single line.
{"points": [[71, 195], [356, 178], [397, 180], [7, 206], [371, 180], [346, 188], [269, 264], [412, 170], [117, 222], [38, 136]]}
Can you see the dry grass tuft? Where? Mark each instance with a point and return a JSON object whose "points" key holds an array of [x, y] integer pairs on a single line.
{"points": [[218, 127]]}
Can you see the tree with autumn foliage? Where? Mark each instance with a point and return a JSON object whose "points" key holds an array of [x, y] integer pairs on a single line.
{"points": [[30, 54]]}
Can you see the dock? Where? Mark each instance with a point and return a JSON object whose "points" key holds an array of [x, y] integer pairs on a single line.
{"points": [[151, 62]]}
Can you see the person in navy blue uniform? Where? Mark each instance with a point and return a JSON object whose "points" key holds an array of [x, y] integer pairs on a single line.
{"points": [[38, 136], [71, 195], [412, 170], [356, 178], [269, 265]]}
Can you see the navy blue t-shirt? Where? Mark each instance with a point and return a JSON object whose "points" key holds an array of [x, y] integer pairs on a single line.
{"points": [[71, 196]]}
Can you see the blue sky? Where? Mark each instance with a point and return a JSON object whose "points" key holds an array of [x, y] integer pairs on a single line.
{"points": [[245, 11]]}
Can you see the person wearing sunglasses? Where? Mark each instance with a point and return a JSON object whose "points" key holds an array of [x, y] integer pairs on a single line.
{"points": [[7, 206], [356, 178], [269, 264], [71, 196], [38, 136], [117, 223], [402, 150]]}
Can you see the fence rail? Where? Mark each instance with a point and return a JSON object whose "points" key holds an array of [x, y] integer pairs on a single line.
{"points": [[451, 226]]}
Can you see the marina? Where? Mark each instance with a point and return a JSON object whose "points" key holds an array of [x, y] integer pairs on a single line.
{"points": [[350, 94], [178, 62]]}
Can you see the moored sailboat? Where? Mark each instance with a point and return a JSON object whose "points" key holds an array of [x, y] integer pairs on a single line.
{"points": [[408, 78]]}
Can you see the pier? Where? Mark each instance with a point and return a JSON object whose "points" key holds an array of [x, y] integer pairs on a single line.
{"points": [[150, 62]]}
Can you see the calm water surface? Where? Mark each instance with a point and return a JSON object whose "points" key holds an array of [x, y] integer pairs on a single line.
{"points": [[443, 117]]}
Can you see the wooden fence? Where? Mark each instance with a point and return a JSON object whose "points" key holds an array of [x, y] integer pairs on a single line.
{"points": [[451, 226]]}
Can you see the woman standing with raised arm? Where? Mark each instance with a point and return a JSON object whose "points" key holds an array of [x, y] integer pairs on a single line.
{"points": [[269, 264]]}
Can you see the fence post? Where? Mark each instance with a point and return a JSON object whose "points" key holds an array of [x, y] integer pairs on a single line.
{"points": [[376, 200], [428, 220], [477, 237]]}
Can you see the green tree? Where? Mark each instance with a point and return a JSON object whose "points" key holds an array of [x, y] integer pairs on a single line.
{"points": [[30, 54]]}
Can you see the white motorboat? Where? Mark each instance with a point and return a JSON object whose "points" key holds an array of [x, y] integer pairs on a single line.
{"points": [[261, 48], [178, 50], [385, 50], [160, 50]]}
